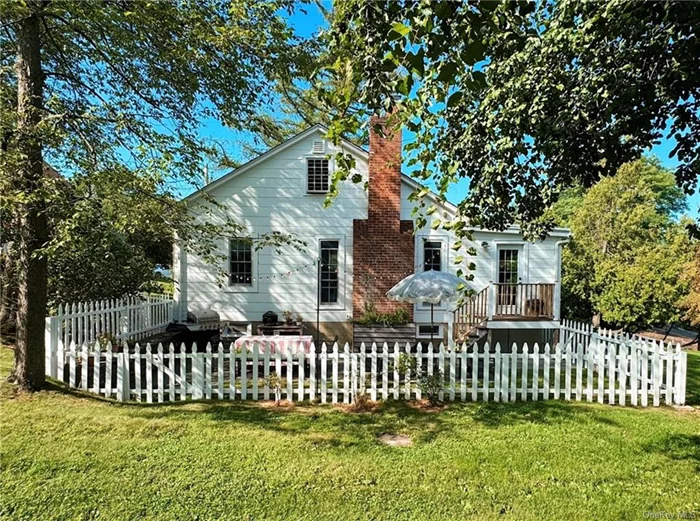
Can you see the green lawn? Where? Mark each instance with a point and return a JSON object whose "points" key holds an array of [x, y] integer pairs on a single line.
{"points": [[65, 456]]}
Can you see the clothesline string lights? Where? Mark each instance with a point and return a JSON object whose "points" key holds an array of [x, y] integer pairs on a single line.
{"points": [[323, 265]]}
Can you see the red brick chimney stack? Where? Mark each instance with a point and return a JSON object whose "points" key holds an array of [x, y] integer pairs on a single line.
{"points": [[383, 244], [384, 174]]}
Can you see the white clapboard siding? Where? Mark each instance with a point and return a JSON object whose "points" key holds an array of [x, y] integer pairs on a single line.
{"points": [[618, 370]]}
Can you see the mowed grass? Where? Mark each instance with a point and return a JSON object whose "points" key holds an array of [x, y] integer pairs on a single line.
{"points": [[67, 456]]}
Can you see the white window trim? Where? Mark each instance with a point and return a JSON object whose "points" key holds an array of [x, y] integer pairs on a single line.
{"points": [[444, 240], [241, 288], [341, 304], [524, 275], [440, 334], [331, 169]]}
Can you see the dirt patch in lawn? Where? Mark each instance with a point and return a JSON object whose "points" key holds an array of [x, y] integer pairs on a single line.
{"points": [[395, 440]]}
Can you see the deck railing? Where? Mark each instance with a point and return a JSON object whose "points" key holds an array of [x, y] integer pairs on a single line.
{"points": [[504, 301], [524, 300], [470, 315]]}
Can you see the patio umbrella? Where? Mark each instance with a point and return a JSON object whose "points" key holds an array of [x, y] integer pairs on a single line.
{"points": [[427, 286]]}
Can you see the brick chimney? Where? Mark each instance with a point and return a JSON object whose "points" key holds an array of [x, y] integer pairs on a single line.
{"points": [[383, 243]]}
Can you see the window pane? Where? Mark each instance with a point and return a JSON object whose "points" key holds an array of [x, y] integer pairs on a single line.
{"points": [[240, 263], [329, 272], [317, 175], [432, 256]]}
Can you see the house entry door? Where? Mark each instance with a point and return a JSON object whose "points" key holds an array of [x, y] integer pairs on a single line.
{"points": [[508, 279]]}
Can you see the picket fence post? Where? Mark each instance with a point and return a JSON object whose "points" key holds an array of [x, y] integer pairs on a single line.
{"points": [[385, 371], [373, 376], [171, 373], [497, 389], [312, 373], [346, 373], [395, 390], [300, 377], [536, 372], [324, 373], [123, 387], [334, 382], [487, 370], [668, 398]]}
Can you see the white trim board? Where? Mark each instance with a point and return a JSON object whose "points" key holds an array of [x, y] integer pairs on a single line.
{"points": [[522, 324]]}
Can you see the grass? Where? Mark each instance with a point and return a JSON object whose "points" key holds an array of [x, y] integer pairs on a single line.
{"points": [[68, 456]]}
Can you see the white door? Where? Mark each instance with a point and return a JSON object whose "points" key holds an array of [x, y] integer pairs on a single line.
{"points": [[507, 294]]}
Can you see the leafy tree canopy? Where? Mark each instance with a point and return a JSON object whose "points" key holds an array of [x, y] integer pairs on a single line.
{"points": [[112, 93], [628, 249], [690, 303], [525, 98], [126, 83]]}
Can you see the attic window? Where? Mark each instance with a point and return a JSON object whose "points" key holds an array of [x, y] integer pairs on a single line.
{"points": [[318, 147], [317, 176]]}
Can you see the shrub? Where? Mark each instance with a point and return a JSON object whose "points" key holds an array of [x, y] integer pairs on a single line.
{"points": [[432, 386], [371, 317]]}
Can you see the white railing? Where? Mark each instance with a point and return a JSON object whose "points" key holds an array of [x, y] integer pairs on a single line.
{"points": [[609, 375], [118, 320]]}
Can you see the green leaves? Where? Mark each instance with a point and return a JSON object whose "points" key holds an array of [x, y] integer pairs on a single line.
{"points": [[628, 252], [526, 99], [400, 29]]}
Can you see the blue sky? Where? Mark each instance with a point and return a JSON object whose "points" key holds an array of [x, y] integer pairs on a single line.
{"points": [[309, 23]]}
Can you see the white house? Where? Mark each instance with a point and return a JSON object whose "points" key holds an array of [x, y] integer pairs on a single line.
{"points": [[366, 241]]}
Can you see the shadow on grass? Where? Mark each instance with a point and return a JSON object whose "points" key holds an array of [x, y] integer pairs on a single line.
{"points": [[495, 415], [339, 427], [678, 447]]}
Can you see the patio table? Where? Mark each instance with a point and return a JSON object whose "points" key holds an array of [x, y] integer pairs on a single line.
{"points": [[276, 343]]}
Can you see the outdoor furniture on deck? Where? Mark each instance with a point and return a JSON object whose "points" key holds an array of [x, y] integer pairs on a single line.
{"points": [[276, 343]]}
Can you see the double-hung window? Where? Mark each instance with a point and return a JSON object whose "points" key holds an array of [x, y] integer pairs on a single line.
{"points": [[240, 263], [328, 272]]}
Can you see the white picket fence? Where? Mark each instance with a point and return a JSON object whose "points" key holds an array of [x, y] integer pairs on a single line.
{"points": [[655, 360], [604, 371], [118, 320]]}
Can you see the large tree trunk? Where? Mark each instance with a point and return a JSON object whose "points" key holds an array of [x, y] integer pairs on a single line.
{"points": [[28, 371]]}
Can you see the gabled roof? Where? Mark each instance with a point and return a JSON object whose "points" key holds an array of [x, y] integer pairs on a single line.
{"points": [[270, 153], [434, 198]]}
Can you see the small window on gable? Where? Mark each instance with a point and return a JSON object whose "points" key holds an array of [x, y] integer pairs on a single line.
{"points": [[319, 147], [317, 176]]}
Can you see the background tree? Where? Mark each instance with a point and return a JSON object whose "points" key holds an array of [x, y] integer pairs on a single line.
{"points": [[690, 303], [108, 92], [525, 98], [628, 252]]}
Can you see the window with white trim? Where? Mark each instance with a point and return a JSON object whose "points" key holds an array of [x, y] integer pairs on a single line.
{"points": [[329, 280], [425, 330], [317, 174], [432, 255], [240, 263]]}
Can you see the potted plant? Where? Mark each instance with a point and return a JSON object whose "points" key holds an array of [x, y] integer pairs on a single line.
{"points": [[288, 316], [300, 319]]}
